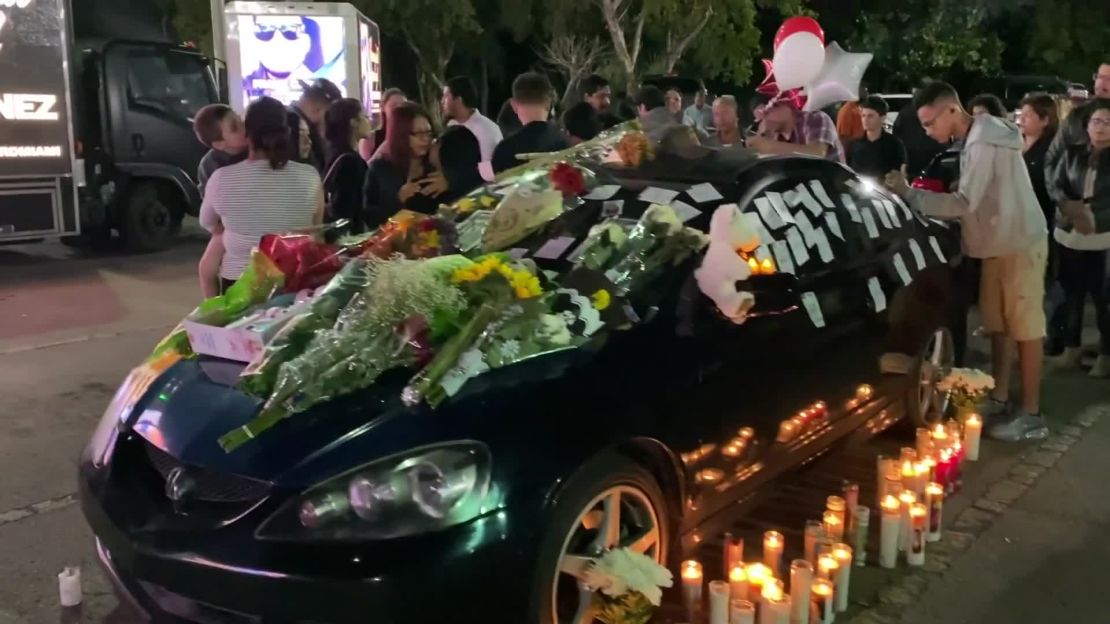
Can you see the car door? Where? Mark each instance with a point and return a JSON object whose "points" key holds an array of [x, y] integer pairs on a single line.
{"points": [[154, 94], [811, 342]]}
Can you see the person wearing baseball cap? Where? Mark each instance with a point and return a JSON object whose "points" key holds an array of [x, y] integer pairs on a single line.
{"points": [[316, 98]]}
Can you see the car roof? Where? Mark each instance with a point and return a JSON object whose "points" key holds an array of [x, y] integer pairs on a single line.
{"points": [[721, 167]]}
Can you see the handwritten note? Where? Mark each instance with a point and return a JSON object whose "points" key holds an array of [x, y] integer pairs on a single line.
{"points": [[603, 192], [797, 246], [850, 206], [878, 297], [782, 257], [780, 207], [612, 209], [869, 223], [936, 249], [819, 191], [554, 248], [806, 228], [892, 211], [808, 201], [656, 195], [823, 248], [813, 308], [769, 215], [918, 255], [703, 193], [884, 218]]}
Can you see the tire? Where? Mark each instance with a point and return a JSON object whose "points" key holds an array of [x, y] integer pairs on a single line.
{"points": [[150, 218], [935, 358], [603, 474]]}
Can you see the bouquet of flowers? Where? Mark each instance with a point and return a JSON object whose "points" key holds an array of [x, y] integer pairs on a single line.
{"points": [[627, 585], [966, 386]]}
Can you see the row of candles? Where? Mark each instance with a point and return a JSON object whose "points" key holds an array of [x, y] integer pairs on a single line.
{"points": [[911, 498]]}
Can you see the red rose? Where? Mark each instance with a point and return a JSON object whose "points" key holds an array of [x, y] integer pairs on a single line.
{"points": [[568, 179]]}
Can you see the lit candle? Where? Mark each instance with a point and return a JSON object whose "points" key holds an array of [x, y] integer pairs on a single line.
{"points": [[924, 442], [735, 448], [909, 476], [934, 499], [843, 555], [945, 470], [850, 493], [827, 566], [834, 526], [861, 522], [741, 611], [815, 529], [838, 506], [788, 429], [733, 553], [738, 581], [883, 465], [889, 531], [822, 592], [691, 587], [893, 484], [747, 433], [758, 574], [775, 605], [718, 602], [864, 392], [801, 578], [772, 552], [921, 477], [767, 267], [973, 430], [908, 455], [919, 518], [940, 437], [959, 453], [753, 265], [907, 498], [931, 462]]}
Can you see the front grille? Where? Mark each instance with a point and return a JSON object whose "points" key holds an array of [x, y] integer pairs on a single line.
{"points": [[212, 487]]}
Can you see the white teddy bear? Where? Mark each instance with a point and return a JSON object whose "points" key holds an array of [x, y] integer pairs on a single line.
{"points": [[730, 231]]}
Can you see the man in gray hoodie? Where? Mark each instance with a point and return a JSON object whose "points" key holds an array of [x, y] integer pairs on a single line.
{"points": [[1003, 225]]}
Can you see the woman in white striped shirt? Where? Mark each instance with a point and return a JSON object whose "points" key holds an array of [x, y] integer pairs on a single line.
{"points": [[265, 194]]}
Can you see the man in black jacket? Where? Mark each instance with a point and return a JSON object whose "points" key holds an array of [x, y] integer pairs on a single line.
{"points": [[1073, 132], [532, 96]]}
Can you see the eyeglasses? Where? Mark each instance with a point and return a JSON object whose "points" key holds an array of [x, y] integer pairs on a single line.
{"points": [[1099, 122], [421, 133], [291, 32]]}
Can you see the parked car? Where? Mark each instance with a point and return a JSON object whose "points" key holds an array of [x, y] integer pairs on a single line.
{"points": [[895, 103], [489, 507]]}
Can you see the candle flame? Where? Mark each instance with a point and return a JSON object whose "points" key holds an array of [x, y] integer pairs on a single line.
{"points": [[747, 433], [864, 392], [939, 432], [918, 510], [842, 553], [907, 497], [973, 421], [691, 570], [772, 539], [921, 468], [772, 590], [827, 563], [907, 469], [822, 587], [753, 264], [759, 573], [934, 489], [767, 266], [736, 574], [890, 503]]}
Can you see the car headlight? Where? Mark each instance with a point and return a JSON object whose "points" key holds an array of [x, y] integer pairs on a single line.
{"points": [[417, 492]]}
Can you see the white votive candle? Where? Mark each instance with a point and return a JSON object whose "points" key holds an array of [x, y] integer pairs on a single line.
{"points": [[973, 431], [801, 580], [839, 506], [758, 574], [773, 544], [861, 523], [69, 587], [843, 555], [718, 602], [822, 593], [738, 582], [889, 531], [924, 441], [934, 500], [773, 608], [907, 498], [692, 580], [919, 518], [814, 531], [741, 611]]}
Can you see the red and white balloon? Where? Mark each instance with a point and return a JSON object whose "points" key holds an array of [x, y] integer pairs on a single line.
{"points": [[801, 59], [799, 52]]}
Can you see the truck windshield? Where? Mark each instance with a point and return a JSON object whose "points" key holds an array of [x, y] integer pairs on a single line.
{"points": [[169, 81]]}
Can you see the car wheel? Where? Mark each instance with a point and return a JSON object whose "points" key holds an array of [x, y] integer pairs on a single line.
{"points": [[150, 219], [612, 502], [926, 404]]}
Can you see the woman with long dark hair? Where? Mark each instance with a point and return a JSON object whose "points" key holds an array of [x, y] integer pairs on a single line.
{"points": [[265, 194], [455, 156], [403, 169], [1039, 121], [391, 99], [345, 124]]}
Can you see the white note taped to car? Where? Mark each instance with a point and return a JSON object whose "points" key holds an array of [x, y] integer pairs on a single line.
{"points": [[684, 211], [918, 255], [822, 195], [797, 246], [768, 214], [763, 252], [813, 308], [878, 297], [824, 250], [612, 209], [905, 208], [554, 248], [780, 207], [656, 195], [900, 268], [892, 212], [884, 217], [850, 206], [834, 225], [935, 244], [782, 257], [809, 233], [603, 192], [869, 223], [704, 193], [809, 201]]}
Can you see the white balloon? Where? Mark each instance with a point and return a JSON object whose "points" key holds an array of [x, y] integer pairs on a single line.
{"points": [[798, 60], [839, 78]]}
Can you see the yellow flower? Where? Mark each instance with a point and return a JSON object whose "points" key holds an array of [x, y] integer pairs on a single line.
{"points": [[522, 293], [487, 201], [465, 204], [601, 299]]}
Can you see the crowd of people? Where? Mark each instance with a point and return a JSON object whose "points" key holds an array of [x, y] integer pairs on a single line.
{"points": [[1033, 198]]}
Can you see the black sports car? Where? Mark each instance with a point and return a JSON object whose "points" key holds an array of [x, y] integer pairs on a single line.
{"points": [[489, 507]]}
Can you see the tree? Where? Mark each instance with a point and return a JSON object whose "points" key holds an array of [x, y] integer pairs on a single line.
{"points": [[919, 38], [1070, 37], [574, 57]]}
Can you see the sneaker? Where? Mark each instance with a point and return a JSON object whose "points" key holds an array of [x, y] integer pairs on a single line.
{"points": [[1101, 369], [1022, 427], [1070, 359], [993, 410]]}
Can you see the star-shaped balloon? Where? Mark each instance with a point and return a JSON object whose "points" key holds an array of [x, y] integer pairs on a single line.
{"points": [[839, 78]]}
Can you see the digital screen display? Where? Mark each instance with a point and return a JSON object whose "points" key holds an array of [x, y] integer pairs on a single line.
{"points": [[277, 53], [370, 68], [34, 123]]}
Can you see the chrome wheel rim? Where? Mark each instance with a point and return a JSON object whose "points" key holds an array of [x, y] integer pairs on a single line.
{"points": [[621, 516], [937, 361]]}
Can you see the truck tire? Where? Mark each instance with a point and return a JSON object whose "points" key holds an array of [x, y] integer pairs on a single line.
{"points": [[151, 217]]}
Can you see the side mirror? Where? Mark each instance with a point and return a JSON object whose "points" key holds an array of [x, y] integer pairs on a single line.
{"points": [[774, 294]]}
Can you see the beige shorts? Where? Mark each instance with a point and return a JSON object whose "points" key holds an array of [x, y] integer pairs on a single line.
{"points": [[1011, 293]]}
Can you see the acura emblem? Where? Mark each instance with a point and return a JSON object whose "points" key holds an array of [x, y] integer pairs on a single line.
{"points": [[178, 485]]}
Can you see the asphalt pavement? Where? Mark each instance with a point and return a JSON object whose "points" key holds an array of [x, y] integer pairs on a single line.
{"points": [[73, 324]]}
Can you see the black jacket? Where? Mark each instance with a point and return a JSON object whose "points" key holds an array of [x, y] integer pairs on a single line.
{"points": [[343, 183], [380, 192], [1073, 133], [1068, 185], [1034, 162], [538, 136]]}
